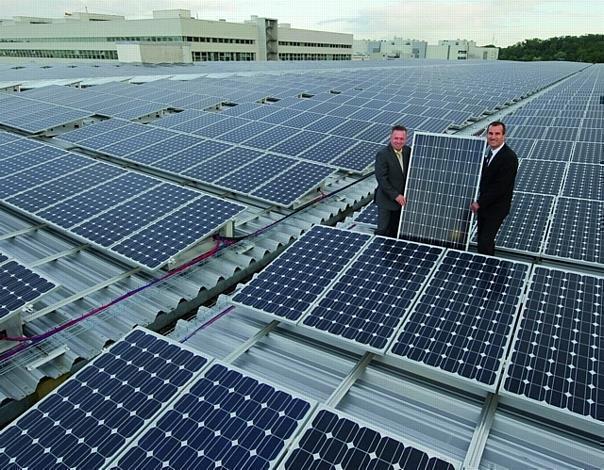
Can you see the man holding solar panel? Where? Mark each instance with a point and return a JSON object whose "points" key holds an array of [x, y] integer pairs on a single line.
{"points": [[496, 188]]}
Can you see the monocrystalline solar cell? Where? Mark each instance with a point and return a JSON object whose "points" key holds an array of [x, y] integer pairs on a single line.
{"points": [[329, 149], [18, 146], [556, 354], [85, 132], [245, 132], [298, 143], [226, 419], [584, 181], [585, 152], [6, 137], [202, 120], [215, 168], [326, 124], [256, 173], [88, 419], [368, 215], [165, 148], [559, 150], [172, 120], [137, 142], [191, 156], [368, 302], [378, 133], [221, 127], [462, 321], [335, 440], [540, 176], [298, 277], [442, 182], [302, 120], [357, 158], [349, 128], [24, 161], [272, 137]]}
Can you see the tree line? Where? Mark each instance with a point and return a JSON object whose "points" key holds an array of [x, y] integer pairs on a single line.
{"points": [[587, 48]]}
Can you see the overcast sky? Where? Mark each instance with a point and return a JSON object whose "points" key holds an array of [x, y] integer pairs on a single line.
{"points": [[502, 22]]}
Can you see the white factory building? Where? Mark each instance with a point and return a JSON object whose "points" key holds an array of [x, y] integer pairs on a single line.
{"points": [[457, 49], [171, 36]]}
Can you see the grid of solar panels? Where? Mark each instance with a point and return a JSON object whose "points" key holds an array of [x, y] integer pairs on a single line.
{"points": [[136, 217], [20, 286], [368, 216], [442, 181], [461, 324], [226, 419], [335, 440], [555, 363], [84, 423]]}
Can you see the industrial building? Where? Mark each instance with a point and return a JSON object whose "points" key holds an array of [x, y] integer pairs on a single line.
{"points": [[399, 48], [171, 36]]}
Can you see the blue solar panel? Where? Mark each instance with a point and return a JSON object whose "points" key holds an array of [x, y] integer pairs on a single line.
{"points": [[298, 143], [159, 242], [89, 203], [538, 176], [227, 419], [368, 302], [137, 142], [261, 111], [24, 161], [115, 135], [584, 181], [215, 168], [585, 152], [378, 133], [6, 137], [85, 132], [191, 156], [575, 232], [302, 120], [293, 184], [245, 132], [241, 108], [203, 120], [384, 117], [299, 276], [11, 149], [358, 158], [368, 215], [434, 125], [20, 286], [272, 137], [561, 133], [349, 128], [326, 123], [556, 357], [221, 127], [329, 149], [256, 173], [177, 118], [282, 114], [98, 411], [462, 321], [141, 110], [442, 182], [333, 440], [164, 149]]}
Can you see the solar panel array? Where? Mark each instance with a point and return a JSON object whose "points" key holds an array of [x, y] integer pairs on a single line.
{"points": [[442, 181], [556, 358], [19, 286], [137, 218]]}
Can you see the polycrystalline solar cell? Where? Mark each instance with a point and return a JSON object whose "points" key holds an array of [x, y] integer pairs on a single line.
{"points": [[163, 149], [18, 146], [294, 183], [137, 142], [552, 150], [558, 345], [378, 133], [329, 149], [91, 130], [24, 161], [368, 215], [117, 223], [326, 123], [214, 168], [156, 244], [334, 440], [591, 135], [540, 176], [443, 176], [462, 321], [294, 280], [576, 231], [524, 228], [256, 173], [349, 128], [246, 424], [52, 169], [20, 286], [584, 181], [274, 136], [245, 132], [298, 143], [54, 191], [358, 158], [95, 413], [585, 152], [203, 120], [172, 120], [75, 210], [221, 127], [191, 156], [368, 302]]}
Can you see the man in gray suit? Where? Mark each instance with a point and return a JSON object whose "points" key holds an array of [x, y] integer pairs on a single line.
{"points": [[391, 166]]}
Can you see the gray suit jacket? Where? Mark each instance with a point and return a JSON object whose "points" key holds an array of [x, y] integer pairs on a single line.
{"points": [[390, 178]]}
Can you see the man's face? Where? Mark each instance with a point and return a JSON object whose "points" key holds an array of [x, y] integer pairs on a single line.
{"points": [[495, 136], [398, 139]]}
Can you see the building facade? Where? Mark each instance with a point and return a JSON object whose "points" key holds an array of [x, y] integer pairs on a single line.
{"points": [[171, 36]]}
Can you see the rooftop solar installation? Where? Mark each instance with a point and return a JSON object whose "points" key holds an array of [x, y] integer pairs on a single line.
{"points": [[368, 302], [226, 419], [540, 176], [328, 149], [163, 149], [358, 158], [442, 181], [368, 215], [288, 287], [298, 143], [576, 231], [84, 423], [555, 364], [19, 145], [20, 286], [559, 150], [256, 173], [587, 152], [462, 322], [584, 181]]}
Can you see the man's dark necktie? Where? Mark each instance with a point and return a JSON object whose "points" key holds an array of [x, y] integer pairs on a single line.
{"points": [[487, 158]]}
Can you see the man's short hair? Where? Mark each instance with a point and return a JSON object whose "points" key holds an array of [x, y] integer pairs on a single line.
{"points": [[497, 123], [398, 127]]}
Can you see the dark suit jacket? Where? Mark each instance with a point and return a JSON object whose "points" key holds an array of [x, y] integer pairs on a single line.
{"points": [[497, 184], [390, 178]]}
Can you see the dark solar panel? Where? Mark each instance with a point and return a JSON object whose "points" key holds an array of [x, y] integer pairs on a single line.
{"points": [[584, 181], [256, 173], [540, 176]]}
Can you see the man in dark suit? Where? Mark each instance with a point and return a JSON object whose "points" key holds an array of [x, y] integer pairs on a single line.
{"points": [[496, 187], [391, 166]]}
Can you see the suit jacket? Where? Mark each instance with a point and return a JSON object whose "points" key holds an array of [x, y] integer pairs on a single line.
{"points": [[390, 178], [497, 184]]}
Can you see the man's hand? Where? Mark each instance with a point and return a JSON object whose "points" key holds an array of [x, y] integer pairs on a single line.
{"points": [[401, 200], [474, 207]]}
